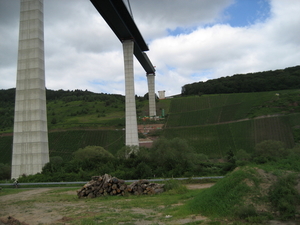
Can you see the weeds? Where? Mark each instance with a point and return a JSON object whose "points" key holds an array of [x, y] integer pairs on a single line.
{"points": [[175, 187]]}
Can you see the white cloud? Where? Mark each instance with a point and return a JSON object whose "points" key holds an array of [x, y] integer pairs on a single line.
{"points": [[224, 50], [83, 53]]}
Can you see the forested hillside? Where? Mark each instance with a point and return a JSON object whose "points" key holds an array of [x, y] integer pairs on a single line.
{"points": [[288, 78], [72, 109]]}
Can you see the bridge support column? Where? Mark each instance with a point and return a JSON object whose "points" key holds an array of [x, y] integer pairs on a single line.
{"points": [[151, 94], [30, 140], [131, 131]]}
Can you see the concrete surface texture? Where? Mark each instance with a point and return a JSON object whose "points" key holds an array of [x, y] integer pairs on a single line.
{"points": [[151, 94], [30, 141], [131, 131]]}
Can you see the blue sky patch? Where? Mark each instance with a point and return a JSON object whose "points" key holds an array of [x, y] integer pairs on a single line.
{"points": [[247, 12], [180, 30]]}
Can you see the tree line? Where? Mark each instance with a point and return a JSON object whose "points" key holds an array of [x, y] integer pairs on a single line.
{"points": [[288, 78], [7, 101], [166, 158]]}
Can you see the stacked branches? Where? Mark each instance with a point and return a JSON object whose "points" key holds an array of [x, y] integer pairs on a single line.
{"points": [[107, 185]]}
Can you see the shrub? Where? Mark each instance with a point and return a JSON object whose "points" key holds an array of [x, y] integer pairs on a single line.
{"points": [[174, 155], [245, 211], [93, 153], [143, 171], [242, 157], [269, 150], [284, 197], [55, 165], [5, 171], [174, 186]]}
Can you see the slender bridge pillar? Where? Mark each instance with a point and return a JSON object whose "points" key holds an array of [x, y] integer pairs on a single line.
{"points": [[131, 131], [151, 94], [30, 140]]}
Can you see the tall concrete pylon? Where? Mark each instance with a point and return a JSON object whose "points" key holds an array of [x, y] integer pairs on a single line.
{"points": [[131, 131], [30, 140], [151, 94]]}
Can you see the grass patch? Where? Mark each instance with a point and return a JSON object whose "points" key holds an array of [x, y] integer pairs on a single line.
{"points": [[224, 196], [11, 191]]}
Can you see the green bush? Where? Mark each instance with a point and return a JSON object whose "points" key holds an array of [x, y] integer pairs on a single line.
{"points": [[175, 187], [5, 171], [245, 211], [242, 157], [93, 153], [284, 197], [91, 157], [55, 165], [269, 150]]}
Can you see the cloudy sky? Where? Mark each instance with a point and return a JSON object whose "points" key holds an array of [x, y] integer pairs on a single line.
{"points": [[189, 41]]}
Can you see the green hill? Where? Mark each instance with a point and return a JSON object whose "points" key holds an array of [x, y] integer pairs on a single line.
{"points": [[282, 79], [212, 124]]}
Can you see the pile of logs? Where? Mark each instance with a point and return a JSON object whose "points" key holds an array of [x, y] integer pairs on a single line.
{"points": [[107, 185], [102, 186], [144, 187]]}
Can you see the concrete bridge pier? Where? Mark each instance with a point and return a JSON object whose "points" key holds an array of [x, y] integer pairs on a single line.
{"points": [[30, 140], [131, 130], [151, 94]]}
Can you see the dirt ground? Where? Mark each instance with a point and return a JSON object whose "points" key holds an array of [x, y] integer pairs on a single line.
{"points": [[31, 213], [49, 213]]}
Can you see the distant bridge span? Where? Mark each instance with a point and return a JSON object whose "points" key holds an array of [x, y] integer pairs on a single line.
{"points": [[116, 15]]}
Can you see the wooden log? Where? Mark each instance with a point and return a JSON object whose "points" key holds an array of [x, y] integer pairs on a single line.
{"points": [[144, 181], [158, 190], [91, 195], [123, 187], [121, 181], [140, 190], [115, 180]]}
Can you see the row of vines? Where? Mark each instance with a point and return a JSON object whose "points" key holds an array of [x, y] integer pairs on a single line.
{"points": [[64, 143], [214, 109], [216, 140]]}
